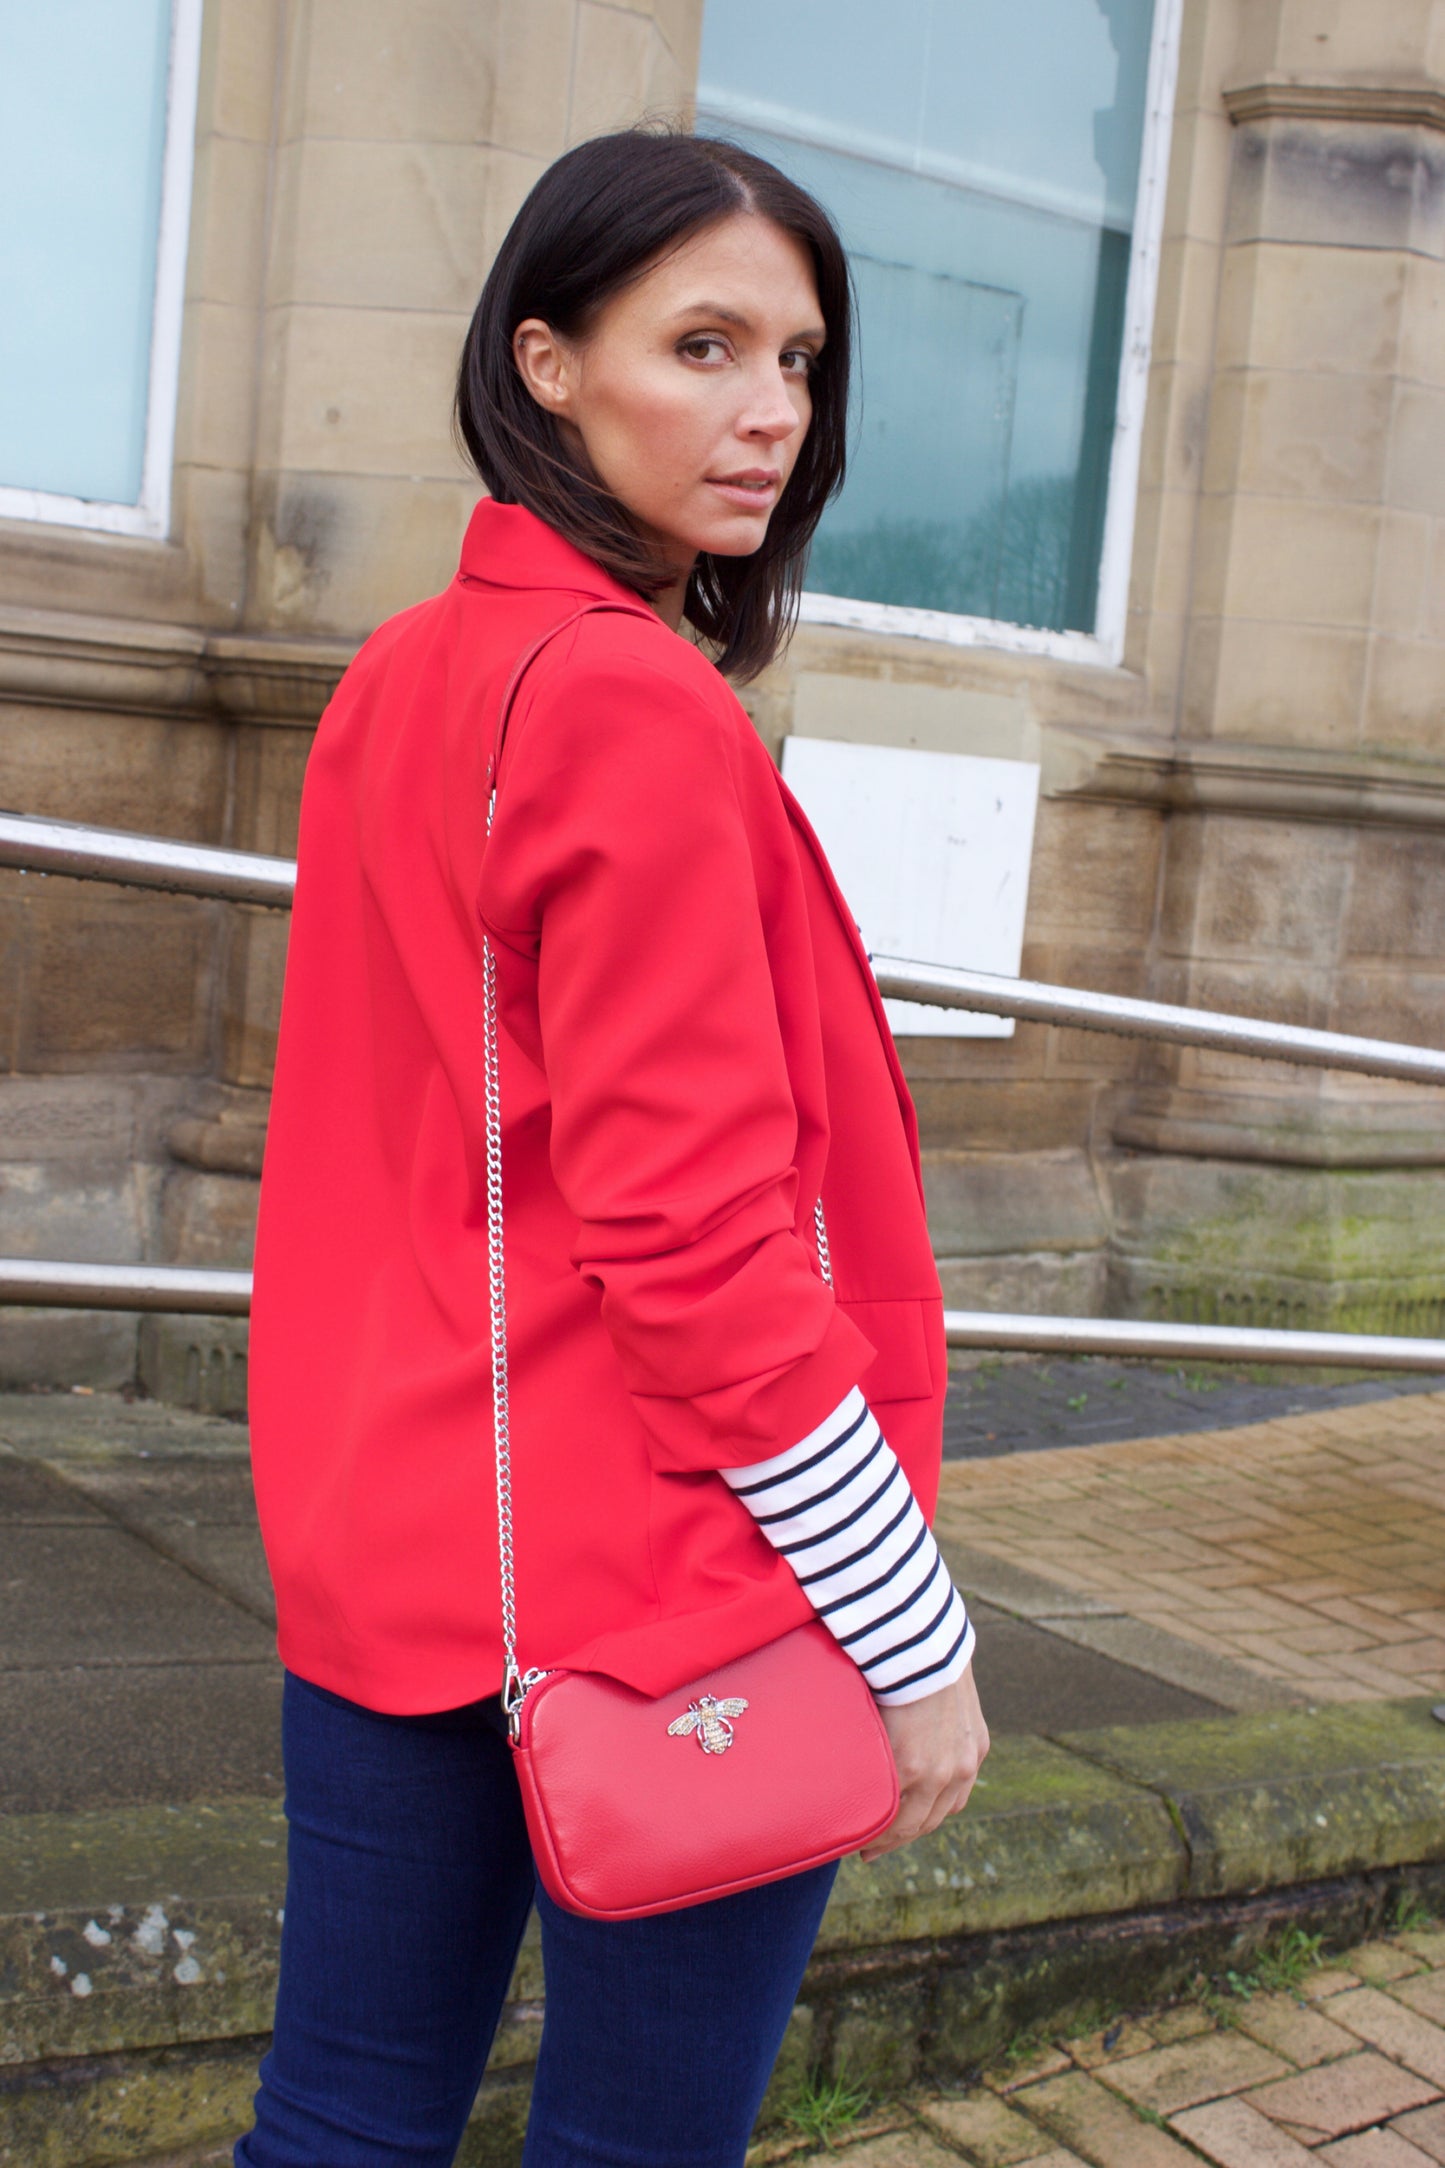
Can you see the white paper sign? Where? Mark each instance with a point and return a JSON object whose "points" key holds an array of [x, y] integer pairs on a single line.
{"points": [[932, 853]]}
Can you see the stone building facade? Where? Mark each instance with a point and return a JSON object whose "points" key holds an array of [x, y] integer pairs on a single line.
{"points": [[1243, 803]]}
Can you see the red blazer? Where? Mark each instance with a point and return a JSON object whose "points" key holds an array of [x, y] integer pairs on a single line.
{"points": [[692, 1047]]}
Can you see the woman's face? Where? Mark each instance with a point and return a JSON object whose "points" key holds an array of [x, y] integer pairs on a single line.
{"points": [[690, 392]]}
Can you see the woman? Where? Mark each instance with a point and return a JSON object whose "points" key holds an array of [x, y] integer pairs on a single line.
{"points": [[653, 389]]}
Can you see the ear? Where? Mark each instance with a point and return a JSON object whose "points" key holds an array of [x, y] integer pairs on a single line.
{"points": [[544, 363]]}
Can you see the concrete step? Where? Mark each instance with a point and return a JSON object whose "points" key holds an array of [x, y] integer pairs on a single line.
{"points": [[138, 1945]]}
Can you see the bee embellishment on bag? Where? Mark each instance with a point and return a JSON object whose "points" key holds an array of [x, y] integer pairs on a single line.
{"points": [[708, 1717]]}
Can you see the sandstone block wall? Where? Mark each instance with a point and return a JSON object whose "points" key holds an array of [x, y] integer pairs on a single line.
{"points": [[1249, 812]]}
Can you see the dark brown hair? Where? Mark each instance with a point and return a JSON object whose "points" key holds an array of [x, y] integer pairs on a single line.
{"points": [[594, 220]]}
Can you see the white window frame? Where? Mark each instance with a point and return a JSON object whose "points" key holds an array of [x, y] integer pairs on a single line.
{"points": [[151, 516], [1104, 646]]}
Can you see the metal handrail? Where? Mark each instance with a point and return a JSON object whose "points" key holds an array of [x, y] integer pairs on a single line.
{"points": [[199, 869], [951, 988], [1193, 1343], [176, 1289], [39, 1283], [86, 853], [114, 854]]}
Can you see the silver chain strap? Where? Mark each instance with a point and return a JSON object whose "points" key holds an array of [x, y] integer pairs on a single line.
{"points": [[516, 1683], [820, 1229]]}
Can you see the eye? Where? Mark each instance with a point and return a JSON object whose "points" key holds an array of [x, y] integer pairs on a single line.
{"points": [[704, 346], [799, 361]]}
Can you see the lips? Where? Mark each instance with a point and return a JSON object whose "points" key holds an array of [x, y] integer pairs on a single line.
{"points": [[753, 490]]}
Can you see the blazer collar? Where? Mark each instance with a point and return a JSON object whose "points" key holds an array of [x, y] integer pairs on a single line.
{"points": [[508, 546]]}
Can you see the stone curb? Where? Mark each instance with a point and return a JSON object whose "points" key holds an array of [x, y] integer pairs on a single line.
{"points": [[134, 1932], [150, 1926], [1265, 1802]]}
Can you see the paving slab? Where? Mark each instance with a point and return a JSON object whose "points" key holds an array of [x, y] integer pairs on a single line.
{"points": [[96, 1594], [1380, 1960], [1303, 2035], [1159, 2087], [1028, 1404], [81, 1424], [1201, 1674], [137, 1654], [1101, 2126], [137, 1619], [1402, 2034], [1373, 2149], [1342, 2097], [1033, 1678], [31, 1493], [1234, 2135], [1425, 2129], [991, 2133], [1425, 1993], [196, 1510], [1167, 2079], [1306, 1551], [902, 2149], [80, 1737]]}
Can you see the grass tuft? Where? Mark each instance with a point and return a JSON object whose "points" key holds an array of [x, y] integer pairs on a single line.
{"points": [[825, 2108], [1411, 1913], [1280, 1967]]}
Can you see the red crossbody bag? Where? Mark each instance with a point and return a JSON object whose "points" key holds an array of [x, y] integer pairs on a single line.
{"points": [[773, 1763]]}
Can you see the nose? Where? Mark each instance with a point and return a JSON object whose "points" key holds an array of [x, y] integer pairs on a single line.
{"points": [[771, 411]]}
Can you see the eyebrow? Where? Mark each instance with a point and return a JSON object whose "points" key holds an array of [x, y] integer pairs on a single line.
{"points": [[718, 313]]}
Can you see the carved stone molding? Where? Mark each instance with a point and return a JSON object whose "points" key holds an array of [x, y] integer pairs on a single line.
{"points": [[1281, 1129], [53, 658], [1296, 782], [1402, 101], [221, 1130], [259, 679]]}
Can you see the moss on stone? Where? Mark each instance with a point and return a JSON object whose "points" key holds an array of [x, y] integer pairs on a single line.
{"points": [[1046, 1836], [1209, 1241], [1291, 1797], [132, 1997], [138, 1927], [81, 2113]]}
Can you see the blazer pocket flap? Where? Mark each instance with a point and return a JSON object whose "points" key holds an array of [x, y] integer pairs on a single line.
{"points": [[901, 1369]]}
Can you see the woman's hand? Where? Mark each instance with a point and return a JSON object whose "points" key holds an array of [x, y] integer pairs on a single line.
{"points": [[938, 1746]]}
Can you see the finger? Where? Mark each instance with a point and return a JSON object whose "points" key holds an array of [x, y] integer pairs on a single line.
{"points": [[898, 1833], [960, 1795], [942, 1808], [924, 1806], [911, 1821], [922, 1821]]}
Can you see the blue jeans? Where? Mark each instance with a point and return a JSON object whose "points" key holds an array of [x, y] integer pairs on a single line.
{"points": [[410, 1882]]}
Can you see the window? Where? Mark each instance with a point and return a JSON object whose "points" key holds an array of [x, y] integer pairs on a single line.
{"points": [[996, 171], [97, 117]]}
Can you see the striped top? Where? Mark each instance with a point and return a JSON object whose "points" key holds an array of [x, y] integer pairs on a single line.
{"points": [[839, 1508]]}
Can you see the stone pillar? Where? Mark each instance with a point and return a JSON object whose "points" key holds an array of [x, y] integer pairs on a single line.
{"points": [[1305, 861], [405, 138]]}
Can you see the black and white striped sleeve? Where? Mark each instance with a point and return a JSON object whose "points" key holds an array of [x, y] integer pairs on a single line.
{"points": [[839, 1508]]}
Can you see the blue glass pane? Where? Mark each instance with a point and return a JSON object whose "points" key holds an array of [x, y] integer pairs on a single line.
{"points": [[82, 137], [982, 161]]}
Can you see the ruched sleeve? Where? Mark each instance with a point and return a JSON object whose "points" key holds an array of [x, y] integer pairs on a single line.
{"points": [[620, 889]]}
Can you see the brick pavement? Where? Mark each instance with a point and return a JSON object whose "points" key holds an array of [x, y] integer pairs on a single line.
{"points": [[1309, 1549], [1349, 2069]]}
